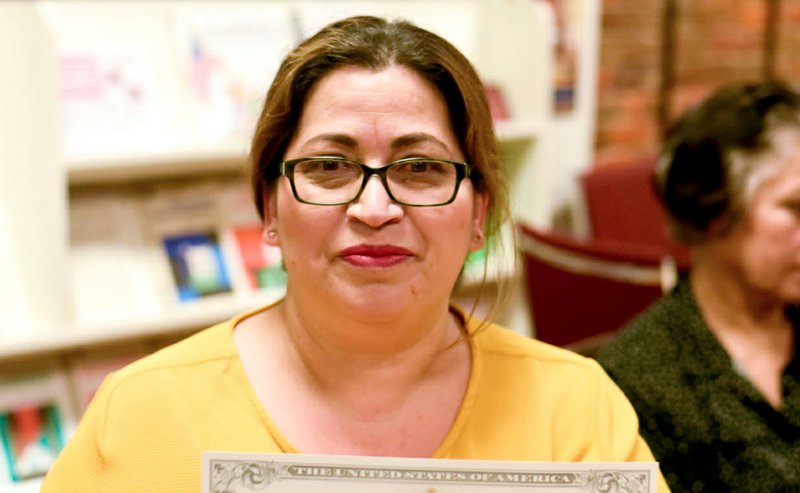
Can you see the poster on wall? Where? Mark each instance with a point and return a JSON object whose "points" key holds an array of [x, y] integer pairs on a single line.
{"points": [[229, 58], [117, 83]]}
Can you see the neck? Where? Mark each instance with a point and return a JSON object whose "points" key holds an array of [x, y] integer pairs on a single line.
{"points": [[335, 350], [729, 303], [313, 377], [751, 325]]}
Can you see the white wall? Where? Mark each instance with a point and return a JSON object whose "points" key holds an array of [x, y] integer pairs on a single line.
{"points": [[32, 188]]}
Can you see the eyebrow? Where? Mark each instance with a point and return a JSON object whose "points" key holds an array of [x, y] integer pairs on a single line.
{"points": [[341, 139], [416, 138], [401, 142]]}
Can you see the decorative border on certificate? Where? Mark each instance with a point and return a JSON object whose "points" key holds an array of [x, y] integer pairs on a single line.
{"points": [[226, 472]]}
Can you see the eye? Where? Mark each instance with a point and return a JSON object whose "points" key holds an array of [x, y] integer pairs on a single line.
{"points": [[325, 165], [322, 163], [330, 165], [793, 206], [428, 167]]}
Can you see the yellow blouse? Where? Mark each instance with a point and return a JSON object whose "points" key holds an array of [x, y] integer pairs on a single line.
{"points": [[148, 424]]}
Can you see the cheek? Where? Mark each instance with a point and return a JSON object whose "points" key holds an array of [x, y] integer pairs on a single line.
{"points": [[450, 237], [776, 228], [303, 230], [773, 242]]}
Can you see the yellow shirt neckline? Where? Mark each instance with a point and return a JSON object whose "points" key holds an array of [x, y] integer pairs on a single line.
{"points": [[444, 449]]}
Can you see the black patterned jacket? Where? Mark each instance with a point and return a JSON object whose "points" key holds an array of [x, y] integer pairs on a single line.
{"points": [[707, 425]]}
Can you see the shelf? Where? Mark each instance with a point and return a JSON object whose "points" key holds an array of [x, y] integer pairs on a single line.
{"points": [[103, 170], [183, 320], [114, 169], [27, 486], [521, 129], [100, 170], [508, 40], [180, 321]]}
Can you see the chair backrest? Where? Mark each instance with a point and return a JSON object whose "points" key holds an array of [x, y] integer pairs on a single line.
{"points": [[581, 293], [622, 205]]}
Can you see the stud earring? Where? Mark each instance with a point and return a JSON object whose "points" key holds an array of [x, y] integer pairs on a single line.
{"points": [[272, 233]]}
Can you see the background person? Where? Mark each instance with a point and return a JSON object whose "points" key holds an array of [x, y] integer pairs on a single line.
{"points": [[712, 368], [376, 173]]}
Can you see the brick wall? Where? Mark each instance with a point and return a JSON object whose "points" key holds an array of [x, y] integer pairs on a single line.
{"points": [[714, 42], [787, 53], [629, 77]]}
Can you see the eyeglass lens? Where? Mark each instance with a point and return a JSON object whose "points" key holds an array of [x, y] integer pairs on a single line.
{"points": [[417, 182]]}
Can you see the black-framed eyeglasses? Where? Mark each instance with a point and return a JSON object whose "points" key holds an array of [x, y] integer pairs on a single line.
{"points": [[333, 180]]}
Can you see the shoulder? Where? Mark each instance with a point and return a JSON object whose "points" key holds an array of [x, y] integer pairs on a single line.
{"points": [[207, 345], [502, 342], [652, 358], [545, 391], [155, 391], [652, 338], [200, 355], [502, 351]]}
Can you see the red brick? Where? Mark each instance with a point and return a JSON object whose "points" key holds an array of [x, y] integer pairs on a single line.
{"points": [[718, 42]]}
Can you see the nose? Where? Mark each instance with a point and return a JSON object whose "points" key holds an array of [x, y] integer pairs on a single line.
{"points": [[374, 207]]}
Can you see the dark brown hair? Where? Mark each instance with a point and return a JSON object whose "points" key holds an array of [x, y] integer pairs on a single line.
{"points": [[376, 43], [708, 159]]}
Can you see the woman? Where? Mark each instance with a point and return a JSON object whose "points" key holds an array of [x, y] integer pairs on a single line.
{"points": [[376, 173], [712, 368]]}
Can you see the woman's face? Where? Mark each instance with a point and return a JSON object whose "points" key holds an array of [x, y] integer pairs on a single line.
{"points": [[765, 244], [373, 255]]}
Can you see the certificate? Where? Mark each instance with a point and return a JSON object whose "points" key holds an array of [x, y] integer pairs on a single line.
{"points": [[229, 472]]}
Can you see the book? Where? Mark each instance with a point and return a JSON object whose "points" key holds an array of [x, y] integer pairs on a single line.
{"points": [[197, 265], [196, 258], [36, 419], [255, 265], [109, 273], [262, 263], [32, 438]]}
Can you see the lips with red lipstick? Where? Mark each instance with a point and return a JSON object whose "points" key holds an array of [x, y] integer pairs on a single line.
{"points": [[375, 255]]}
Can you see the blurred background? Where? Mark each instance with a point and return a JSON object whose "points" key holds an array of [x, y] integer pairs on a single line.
{"points": [[126, 224]]}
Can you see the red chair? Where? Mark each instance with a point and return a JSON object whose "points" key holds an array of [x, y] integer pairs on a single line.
{"points": [[622, 206], [581, 293]]}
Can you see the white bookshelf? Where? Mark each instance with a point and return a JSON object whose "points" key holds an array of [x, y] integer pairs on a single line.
{"points": [[113, 169], [180, 322], [510, 42]]}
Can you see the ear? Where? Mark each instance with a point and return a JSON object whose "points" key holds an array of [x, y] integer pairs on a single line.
{"points": [[269, 199], [480, 207]]}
